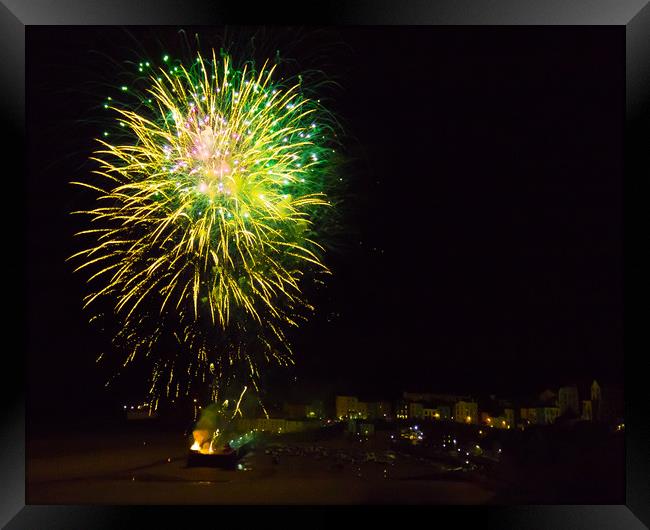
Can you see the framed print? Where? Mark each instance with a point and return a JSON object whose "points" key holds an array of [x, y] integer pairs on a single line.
{"points": [[369, 257]]}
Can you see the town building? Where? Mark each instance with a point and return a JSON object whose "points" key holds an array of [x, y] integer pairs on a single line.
{"points": [[362, 410], [595, 391], [346, 406], [373, 410], [401, 410], [416, 411], [383, 410], [542, 414], [438, 413], [547, 415], [466, 412], [315, 409], [351, 407], [275, 425], [528, 415], [568, 400], [445, 412]]}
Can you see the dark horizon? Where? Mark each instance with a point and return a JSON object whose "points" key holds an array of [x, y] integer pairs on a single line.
{"points": [[483, 242]]}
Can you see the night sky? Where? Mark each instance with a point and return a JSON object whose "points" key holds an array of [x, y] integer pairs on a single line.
{"points": [[482, 249]]}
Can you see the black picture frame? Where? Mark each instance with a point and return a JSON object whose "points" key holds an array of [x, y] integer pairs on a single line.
{"points": [[632, 16]]}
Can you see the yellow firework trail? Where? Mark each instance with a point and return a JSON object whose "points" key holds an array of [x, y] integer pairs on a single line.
{"points": [[204, 221]]}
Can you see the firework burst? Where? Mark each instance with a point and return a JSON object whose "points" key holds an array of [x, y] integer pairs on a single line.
{"points": [[204, 226]]}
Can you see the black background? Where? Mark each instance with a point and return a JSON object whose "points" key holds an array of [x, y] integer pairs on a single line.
{"points": [[484, 208]]}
